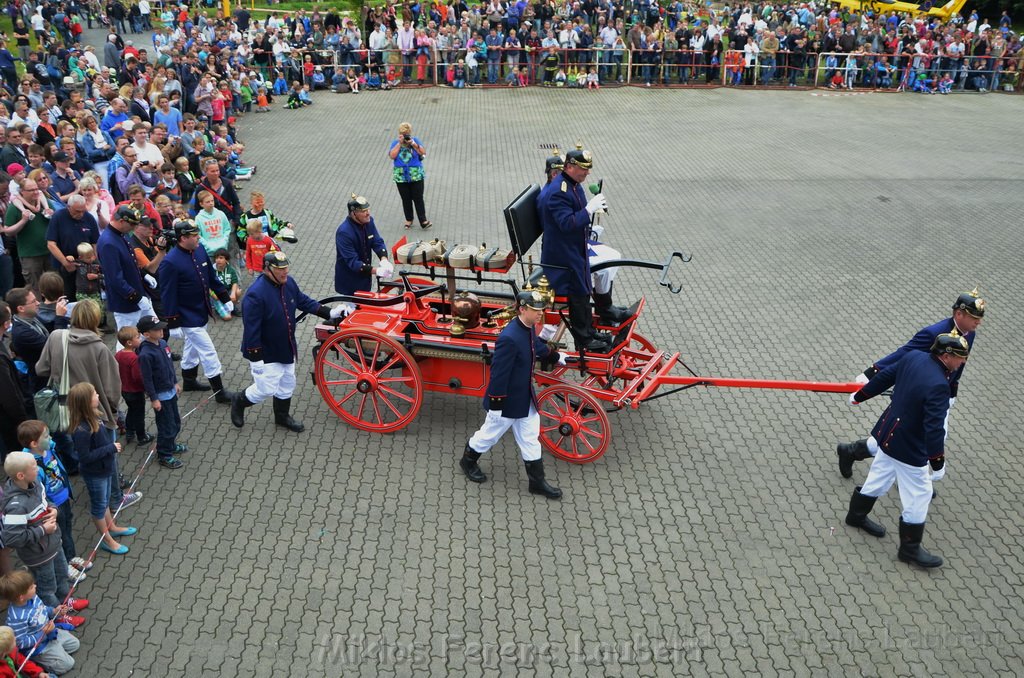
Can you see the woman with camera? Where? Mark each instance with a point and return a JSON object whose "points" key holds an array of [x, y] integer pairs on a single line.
{"points": [[407, 153]]}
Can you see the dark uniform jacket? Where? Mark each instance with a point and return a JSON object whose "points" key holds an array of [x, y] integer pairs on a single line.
{"points": [[515, 352], [269, 320], [911, 428], [122, 278], [186, 279], [922, 341], [561, 206], [355, 246]]}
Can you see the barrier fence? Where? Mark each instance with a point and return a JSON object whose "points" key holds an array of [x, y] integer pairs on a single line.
{"points": [[491, 67]]}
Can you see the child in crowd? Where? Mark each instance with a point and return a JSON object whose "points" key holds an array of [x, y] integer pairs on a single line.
{"points": [[162, 388], [227, 274], [353, 80], [165, 208], [923, 83], [837, 81], [304, 96], [592, 79], [89, 279], [459, 80], [31, 527], [373, 79], [51, 288], [11, 658], [186, 181], [214, 226], [560, 77], [97, 454], [245, 94], [168, 185], [294, 100], [280, 84], [35, 437], [131, 386], [33, 623], [220, 104], [269, 222], [262, 103], [257, 245], [945, 84]]}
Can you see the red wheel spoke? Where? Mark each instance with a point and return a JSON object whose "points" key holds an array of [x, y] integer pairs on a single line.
{"points": [[589, 431], [389, 380], [376, 408], [589, 420], [394, 410], [340, 382], [346, 398], [548, 429], [587, 443], [362, 404], [340, 368], [575, 450], [384, 389], [376, 352], [387, 366]]}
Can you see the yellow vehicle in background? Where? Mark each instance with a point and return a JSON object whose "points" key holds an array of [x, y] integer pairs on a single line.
{"points": [[925, 8]]}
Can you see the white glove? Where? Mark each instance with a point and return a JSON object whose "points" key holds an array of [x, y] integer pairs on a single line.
{"points": [[229, 307], [938, 475], [952, 401], [385, 269], [561, 358], [851, 400], [596, 231], [338, 311], [597, 204], [861, 378], [150, 280]]}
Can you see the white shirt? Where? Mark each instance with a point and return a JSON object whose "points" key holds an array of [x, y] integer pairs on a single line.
{"points": [[143, 7], [38, 22], [151, 153]]}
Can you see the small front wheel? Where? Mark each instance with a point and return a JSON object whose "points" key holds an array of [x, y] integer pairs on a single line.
{"points": [[573, 425]]}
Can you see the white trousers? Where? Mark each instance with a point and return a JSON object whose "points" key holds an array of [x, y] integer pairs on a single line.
{"points": [[936, 475], [270, 380], [913, 482], [199, 349], [603, 279], [526, 431], [132, 319]]}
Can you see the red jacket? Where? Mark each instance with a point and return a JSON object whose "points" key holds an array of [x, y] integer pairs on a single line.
{"points": [[9, 666], [128, 368]]}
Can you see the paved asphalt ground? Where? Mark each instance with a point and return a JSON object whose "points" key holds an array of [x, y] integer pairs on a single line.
{"points": [[709, 539]]}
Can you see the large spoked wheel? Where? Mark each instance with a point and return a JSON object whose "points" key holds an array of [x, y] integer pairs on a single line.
{"points": [[640, 342], [369, 380], [573, 425]]}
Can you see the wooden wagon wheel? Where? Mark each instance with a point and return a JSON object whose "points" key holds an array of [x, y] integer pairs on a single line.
{"points": [[369, 380], [573, 425], [641, 343]]}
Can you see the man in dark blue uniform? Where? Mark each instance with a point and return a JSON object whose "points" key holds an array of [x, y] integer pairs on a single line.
{"points": [[565, 215], [122, 277], [968, 310], [268, 340], [186, 278], [356, 241], [911, 438], [510, 401]]}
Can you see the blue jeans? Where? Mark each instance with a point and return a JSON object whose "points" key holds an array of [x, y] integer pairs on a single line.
{"points": [[101, 491], [492, 71], [67, 542], [168, 425], [52, 580]]}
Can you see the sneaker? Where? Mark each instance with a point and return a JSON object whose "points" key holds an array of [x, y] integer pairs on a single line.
{"points": [[81, 564], [74, 574], [77, 604], [69, 620], [145, 440], [124, 482], [131, 498], [181, 448], [170, 462]]}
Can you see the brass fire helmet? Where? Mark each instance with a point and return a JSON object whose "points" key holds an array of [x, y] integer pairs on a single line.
{"points": [[466, 307]]}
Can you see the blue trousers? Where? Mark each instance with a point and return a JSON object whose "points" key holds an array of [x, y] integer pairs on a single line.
{"points": [[168, 425]]}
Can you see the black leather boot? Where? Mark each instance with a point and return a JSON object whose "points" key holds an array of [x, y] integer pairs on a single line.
{"points": [[469, 465], [538, 485], [282, 417], [239, 404], [607, 311], [849, 453], [190, 380], [911, 550], [860, 507], [581, 321], [223, 395]]}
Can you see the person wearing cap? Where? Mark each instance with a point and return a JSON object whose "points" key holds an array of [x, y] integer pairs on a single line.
{"points": [[565, 216], [160, 384], [911, 439], [510, 400], [968, 311], [268, 340], [186, 278], [65, 179], [122, 279], [355, 242]]}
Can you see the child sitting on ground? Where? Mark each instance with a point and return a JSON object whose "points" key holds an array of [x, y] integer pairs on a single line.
{"points": [[35, 437], [162, 388], [353, 80], [592, 79], [294, 101], [945, 84], [262, 103], [32, 622], [257, 244], [11, 658], [304, 96], [131, 386], [30, 526]]}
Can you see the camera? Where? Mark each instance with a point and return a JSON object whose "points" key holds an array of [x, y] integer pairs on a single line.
{"points": [[169, 237], [407, 138], [144, 163]]}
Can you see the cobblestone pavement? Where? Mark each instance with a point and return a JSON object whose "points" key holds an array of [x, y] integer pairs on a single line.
{"points": [[709, 539]]}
